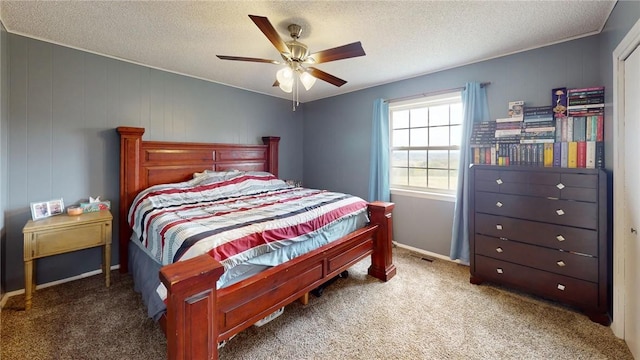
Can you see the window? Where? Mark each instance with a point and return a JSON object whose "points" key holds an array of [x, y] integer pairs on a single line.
{"points": [[425, 143]]}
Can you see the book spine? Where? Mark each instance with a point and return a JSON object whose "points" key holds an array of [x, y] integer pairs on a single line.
{"points": [[537, 141], [558, 130], [585, 90], [493, 155], [548, 155], [570, 128], [599, 154], [556, 154], [600, 128], [591, 155], [582, 154], [572, 156], [579, 126], [564, 154]]}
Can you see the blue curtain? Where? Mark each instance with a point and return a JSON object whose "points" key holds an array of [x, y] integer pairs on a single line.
{"points": [[379, 170], [475, 109]]}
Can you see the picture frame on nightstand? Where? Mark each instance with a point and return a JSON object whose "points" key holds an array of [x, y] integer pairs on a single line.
{"points": [[45, 209]]}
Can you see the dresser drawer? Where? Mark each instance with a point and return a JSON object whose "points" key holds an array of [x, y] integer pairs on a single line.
{"points": [[579, 187], [546, 284], [563, 212], [47, 243], [556, 261], [567, 238]]}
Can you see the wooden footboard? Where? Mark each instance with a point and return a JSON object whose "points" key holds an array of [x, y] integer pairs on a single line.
{"points": [[198, 316], [197, 313]]}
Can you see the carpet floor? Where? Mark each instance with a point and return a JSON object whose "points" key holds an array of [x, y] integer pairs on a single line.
{"points": [[428, 311]]}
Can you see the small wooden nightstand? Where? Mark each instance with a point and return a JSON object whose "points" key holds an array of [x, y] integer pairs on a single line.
{"points": [[62, 234]]}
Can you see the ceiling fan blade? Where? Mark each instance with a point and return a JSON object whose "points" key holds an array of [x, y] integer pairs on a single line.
{"points": [[240, 58], [319, 74], [270, 32], [338, 53]]}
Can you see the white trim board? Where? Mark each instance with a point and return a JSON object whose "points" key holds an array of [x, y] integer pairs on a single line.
{"points": [[6, 296], [426, 253], [629, 43]]}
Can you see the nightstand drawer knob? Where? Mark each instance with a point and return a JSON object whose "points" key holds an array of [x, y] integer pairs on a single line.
{"points": [[561, 263], [560, 287], [499, 181], [560, 186], [499, 249], [499, 204], [560, 212], [499, 270], [498, 227], [560, 238]]}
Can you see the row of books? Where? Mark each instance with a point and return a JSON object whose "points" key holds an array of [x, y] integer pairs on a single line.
{"points": [[580, 128], [561, 131], [571, 154]]}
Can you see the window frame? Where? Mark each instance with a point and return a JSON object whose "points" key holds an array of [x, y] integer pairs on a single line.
{"points": [[445, 98]]}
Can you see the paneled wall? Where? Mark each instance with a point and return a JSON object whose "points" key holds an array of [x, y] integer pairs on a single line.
{"points": [[64, 106]]}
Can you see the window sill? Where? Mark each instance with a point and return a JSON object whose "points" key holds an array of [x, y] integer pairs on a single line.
{"points": [[424, 195]]}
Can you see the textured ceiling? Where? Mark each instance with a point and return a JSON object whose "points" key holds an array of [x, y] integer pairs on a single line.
{"points": [[402, 39]]}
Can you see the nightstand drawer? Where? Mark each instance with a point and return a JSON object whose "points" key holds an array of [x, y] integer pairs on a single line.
{"points": [[57, 242]]}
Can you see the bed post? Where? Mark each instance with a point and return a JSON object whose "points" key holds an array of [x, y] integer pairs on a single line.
{"points": [[191, 323], [382, 266], [272, 155], [130, 143]]}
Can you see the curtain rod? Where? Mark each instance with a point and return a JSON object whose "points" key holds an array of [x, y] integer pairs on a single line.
{"points": [[432, 93]]}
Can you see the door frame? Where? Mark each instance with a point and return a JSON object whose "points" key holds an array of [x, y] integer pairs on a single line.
{"points": [[629, 43]]}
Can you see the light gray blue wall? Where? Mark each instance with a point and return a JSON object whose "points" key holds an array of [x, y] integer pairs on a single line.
{"points": [[337, 130], [4, 95], [64, 106], [57, 135]]}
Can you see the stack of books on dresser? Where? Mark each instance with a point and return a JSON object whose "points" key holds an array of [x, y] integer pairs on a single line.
{"points": [[568, 133], [581, 132]]}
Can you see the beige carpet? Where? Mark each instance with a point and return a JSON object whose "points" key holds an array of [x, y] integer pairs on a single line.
{"points": [[428, 311]]}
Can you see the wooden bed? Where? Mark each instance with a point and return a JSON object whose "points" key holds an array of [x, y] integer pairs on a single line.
{"points": [[198, 316]]}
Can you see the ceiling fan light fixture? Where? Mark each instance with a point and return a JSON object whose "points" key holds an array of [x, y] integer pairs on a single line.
{"points": [[307, 80], [285, 79]]}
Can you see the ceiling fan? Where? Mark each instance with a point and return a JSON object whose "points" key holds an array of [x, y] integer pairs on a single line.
{"points": [[296, 56]]}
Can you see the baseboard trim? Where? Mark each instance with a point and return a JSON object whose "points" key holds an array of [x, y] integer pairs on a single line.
{"points": [[425, 252], [9, 294]]}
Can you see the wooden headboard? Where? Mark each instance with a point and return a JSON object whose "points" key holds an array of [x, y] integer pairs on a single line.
{"points": [[147, 163]]}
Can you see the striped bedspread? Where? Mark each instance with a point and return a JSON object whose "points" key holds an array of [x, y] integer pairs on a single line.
{"points": [[232, 216]]}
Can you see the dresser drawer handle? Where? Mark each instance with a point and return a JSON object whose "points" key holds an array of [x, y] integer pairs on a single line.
{"points": [[503, 238], [560, 287], [499, 181], [499, 249], [560, 212], [560, 238], [561, 263], [499, 270], [560, 186], [499, 204], [498, 226]]}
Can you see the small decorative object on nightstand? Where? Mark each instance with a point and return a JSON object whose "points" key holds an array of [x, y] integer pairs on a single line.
{"points": [[63, 234]]}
